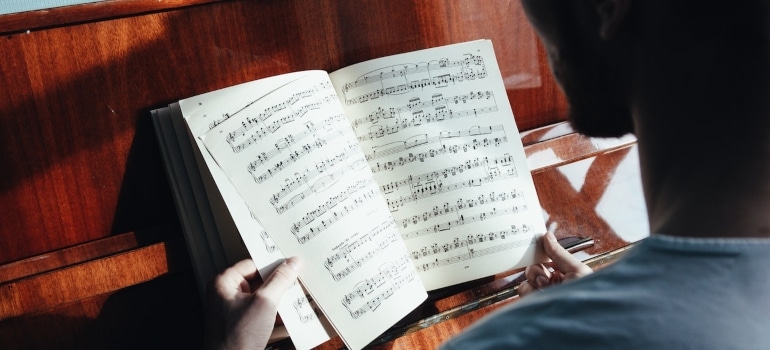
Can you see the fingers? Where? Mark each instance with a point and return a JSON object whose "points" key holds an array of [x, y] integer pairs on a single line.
{"points": [[280, 280], [526, 288], [562, 259], [566, 267], [236, 279], [246, 269], [538, 275]]}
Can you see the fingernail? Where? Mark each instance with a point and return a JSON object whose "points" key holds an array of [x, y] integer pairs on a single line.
{"points": [[541, 281], [293, 263]]}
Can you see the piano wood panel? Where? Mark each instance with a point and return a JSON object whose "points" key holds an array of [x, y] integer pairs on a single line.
{"points": [[80, 158]]}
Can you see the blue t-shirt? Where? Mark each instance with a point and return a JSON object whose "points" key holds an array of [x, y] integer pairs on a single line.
{"points": [[666, 293]]}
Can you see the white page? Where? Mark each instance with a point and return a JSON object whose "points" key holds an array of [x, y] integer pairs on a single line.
{"points": [[293, 157], [439, 135], [297, 312]]}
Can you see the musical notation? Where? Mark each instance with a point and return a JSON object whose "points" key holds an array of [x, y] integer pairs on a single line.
{"points": [[491, 168], [438, 102], [318, 141], [421, 118], [435, 187], [304, 178], [463, 220], [323, 208], [358, 252], [480, 137], [322, 85], [369, 294], [272, 118], [305, 308], [463, 204], [335, 216], [267, 241], [400, 79], [471, 253]]}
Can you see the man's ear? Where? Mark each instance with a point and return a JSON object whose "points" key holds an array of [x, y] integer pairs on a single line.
{"points": [[611, 15]]}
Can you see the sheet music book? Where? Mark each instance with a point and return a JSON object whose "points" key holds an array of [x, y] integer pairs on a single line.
{"points": [[389, 178]]}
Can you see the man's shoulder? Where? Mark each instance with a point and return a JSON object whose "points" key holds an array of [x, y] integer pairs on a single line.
{"points": [[659, 289], [574, 312]]}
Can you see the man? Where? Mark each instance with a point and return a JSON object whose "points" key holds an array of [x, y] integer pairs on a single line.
{"points": [[692, 80]]}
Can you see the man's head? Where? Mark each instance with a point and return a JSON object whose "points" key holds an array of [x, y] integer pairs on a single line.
{"points": [[588, 60], [611, 56], [692, 80]]}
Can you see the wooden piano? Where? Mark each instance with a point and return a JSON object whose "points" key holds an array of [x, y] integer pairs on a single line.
{"points": [[91, 250]]}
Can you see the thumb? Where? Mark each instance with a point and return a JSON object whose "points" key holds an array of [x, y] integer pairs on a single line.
{"points": [[280, 280], [562, 259]]}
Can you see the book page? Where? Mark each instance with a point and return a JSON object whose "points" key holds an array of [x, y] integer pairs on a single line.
{"points": [[439, 135], [298, 313], [294, 159]]}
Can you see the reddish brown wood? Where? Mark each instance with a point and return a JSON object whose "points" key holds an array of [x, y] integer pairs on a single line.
{"points": [[105, 9], [67, 256], [157, 314], [80, 157], [72, 284]]}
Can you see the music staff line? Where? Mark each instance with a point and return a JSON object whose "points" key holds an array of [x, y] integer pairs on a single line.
{"points": [[406, 69], [463, 204], [267, 241], [387, 281], [334, 217], [287, 141], [416, 104], [437, 187], [464, 219], [467, 243], [323, 208], [421, 118], [473, 253], [268, 112], [269, 129], [304, 178], [435, 152], [391, 236], [440, 81], [491, 167], [459, 71], [226, 116], [305, 308], [424, 139], [346, 249]]}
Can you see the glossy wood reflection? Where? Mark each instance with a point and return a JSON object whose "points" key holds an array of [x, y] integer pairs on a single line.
{"points": [[92, 255], [79, 155]]}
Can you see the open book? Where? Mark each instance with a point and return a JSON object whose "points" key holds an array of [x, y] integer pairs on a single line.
{"points": [[389, 178]]}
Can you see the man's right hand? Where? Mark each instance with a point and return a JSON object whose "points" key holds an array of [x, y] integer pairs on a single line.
{"points": [[565, 267]]}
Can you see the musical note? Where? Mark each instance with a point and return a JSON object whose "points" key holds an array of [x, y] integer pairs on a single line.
{"points": [[318, 139], [321, 182], [372, 243], [400, 79], [323, 208], [370, 293], [435, 187], [460, 221], [472, 253], [400, 120], [292, 108], [269, 244], [305, 309], [397, 147]]}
